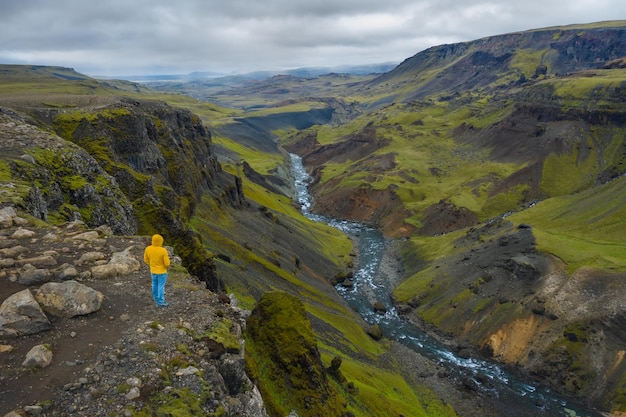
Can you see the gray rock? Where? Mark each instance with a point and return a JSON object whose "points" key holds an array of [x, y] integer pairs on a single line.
{"points": [[20, 314], [36, 203], [232, 370], [67, 272], [134, 382], [22, 233], [43, 260], [33, 410], [121, 263], [190, 370], [254, 406], [69, 298], [6, 216], [7, 262], [13, 251], [50, 237], [39, 356], [28, 158], [133, 393], [89, 257], [87, 236], [34, 276], [20, 221], [125, 259]]}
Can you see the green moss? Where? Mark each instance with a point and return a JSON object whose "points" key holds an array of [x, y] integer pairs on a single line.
{"points": [[438, 312], [419, 254], [527, 61], [387, 393], [123, 388], [344, 335], [617, 397], [156, 325], [506, 201], [576, 91], [221, 332], [179, 402], [282, 354], [13, 191], [184, 349], [481, 305]]}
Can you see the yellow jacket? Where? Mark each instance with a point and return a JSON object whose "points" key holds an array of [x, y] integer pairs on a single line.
{"points": [[156, 256]]}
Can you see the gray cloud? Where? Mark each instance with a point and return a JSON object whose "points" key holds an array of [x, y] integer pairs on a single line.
{"points": [[123, 37]]}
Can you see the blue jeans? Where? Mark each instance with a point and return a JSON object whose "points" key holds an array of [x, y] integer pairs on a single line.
{"points": [[158, 288]]}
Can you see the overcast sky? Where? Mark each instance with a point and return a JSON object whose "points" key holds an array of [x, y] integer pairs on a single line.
{"points": [[136, 37]]}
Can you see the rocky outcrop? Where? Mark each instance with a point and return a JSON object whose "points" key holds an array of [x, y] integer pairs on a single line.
{"points": [[521, 307], [60, 178], [39, 356], [445, 217], [284, 348]]}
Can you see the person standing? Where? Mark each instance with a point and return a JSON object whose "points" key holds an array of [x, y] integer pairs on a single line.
{"points": [[157, 258]]}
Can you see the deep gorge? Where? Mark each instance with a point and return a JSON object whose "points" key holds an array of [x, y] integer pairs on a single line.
{"points": [[371, 286]]}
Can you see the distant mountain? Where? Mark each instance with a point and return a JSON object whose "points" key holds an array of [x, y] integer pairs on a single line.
{"points": [[309, 72], [304, 72]]}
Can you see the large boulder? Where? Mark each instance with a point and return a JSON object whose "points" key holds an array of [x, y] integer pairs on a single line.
{"points": [[121, 263], [69, 298], [20, 314]]}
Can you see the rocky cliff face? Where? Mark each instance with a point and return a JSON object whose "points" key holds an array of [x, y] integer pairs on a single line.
{"points": [[54, 178], [137, 166]]}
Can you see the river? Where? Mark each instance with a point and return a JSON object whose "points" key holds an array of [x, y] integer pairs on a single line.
{"points": [[370, 286]]}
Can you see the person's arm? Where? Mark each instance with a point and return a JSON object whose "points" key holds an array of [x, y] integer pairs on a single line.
{"points": [[166, 259]]}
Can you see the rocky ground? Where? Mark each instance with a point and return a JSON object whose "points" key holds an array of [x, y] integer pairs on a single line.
{"points": [[113, 360]]}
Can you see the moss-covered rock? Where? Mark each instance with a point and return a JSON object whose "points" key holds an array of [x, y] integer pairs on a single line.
{"points": [[68, 184], [283, 357]]}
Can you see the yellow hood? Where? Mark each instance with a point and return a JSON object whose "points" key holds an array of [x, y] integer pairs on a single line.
{"points": [[157, 240]]}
